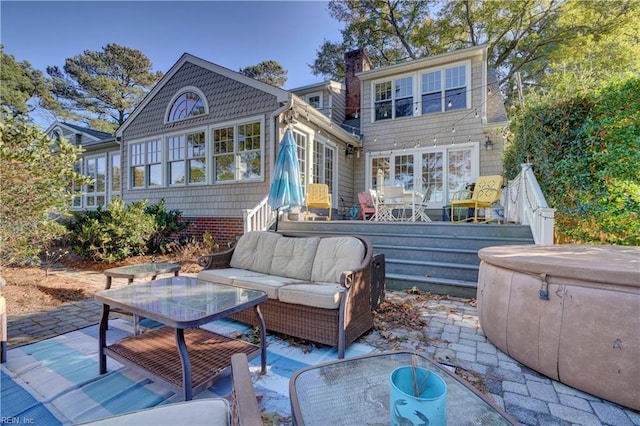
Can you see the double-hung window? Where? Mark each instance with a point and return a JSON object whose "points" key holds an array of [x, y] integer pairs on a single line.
{"points": [[146, 164], [186, 160], [237, 152], [439, 97], [96, 191], [394, 99]]}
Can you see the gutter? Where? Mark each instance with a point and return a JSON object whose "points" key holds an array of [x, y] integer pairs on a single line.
{"points": [[275, 126]]}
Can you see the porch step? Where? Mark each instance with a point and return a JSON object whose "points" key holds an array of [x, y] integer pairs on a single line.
{"points": [[457, 288], [440, 257]]}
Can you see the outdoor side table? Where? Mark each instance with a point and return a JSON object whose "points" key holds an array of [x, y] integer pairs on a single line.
{"points": [[356, 391], [181, 355], [144, 270], [140, 271]]}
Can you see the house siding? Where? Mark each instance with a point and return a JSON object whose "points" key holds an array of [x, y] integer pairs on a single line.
{"points": [[404, 133], [228, 100]]}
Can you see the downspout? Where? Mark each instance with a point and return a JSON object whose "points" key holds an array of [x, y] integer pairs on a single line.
{"points": [[275, 125]]}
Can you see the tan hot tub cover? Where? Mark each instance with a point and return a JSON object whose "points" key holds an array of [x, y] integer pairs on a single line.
{"points": [[571, 312]]}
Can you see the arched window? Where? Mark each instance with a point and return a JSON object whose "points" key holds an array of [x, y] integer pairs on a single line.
{"points": [[190, 102]]}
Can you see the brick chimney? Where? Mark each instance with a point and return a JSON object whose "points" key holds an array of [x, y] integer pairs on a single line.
{"points": [[355, 61]]}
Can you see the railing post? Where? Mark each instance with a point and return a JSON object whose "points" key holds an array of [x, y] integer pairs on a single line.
{"points": [[547, 219], [522, 208]]}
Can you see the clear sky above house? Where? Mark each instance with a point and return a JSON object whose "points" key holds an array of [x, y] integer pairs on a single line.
{"points": [[233, 34]]}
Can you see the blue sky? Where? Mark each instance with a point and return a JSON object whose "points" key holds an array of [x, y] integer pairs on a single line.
{"points": [[232, 34]]}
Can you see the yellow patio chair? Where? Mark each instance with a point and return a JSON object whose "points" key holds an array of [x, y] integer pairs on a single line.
{"points": [[318, 197], [485, 193]]}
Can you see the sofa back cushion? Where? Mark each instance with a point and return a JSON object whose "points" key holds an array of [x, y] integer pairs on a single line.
{"points": [[254, 251], [293, 257], [334, 256]]}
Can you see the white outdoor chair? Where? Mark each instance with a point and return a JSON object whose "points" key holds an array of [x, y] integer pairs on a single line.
{"points": [[420, 207]]}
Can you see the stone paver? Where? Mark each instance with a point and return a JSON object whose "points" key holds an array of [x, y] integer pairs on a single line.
{"points": [[452, 336]]}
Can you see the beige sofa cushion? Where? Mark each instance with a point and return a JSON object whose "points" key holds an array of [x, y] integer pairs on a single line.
{"points": [[270, 284], [226, 275], [319, 295], [254, 251], [209, 411], [293, 257], [334, 256]]}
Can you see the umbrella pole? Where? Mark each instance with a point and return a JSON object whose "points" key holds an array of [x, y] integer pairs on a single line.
{"points": [[277, 217]]}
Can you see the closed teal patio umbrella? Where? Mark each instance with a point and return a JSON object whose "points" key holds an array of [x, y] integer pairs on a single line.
{"points": [[286, 189]]}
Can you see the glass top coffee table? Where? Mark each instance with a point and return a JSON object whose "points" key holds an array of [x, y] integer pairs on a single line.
{"points": [[356, 391], [180, 354]]}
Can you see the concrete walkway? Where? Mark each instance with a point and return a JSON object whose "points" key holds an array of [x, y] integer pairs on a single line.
{"points": [[452, 336]]}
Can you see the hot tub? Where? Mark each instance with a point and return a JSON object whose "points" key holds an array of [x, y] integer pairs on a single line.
{"points": [[570, 312]]}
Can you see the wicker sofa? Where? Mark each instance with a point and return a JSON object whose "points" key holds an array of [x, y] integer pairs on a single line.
{"points": [[319, 287]]}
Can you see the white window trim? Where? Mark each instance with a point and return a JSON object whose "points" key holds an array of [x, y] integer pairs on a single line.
{"points": [[235, 123], [163, 162], [179, 93], [417, 90], [95, 194], [319, 94], [111, 192]]}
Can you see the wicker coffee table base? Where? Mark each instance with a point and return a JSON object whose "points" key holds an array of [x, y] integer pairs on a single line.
{"points": [[154, 353]]}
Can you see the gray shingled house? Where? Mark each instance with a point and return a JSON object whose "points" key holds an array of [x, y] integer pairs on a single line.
{"points": [[205, 138]]}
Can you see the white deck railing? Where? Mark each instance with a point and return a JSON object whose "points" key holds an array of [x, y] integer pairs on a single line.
{"points": [[524, 203], [260, 218]]}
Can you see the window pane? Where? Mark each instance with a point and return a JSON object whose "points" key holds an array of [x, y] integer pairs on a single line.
{"points": [[101, 175], [404, 107], [383, 91], [301, 144], [456, 99], [432, 175], [383, 111], [249, 165], [248, 137], [431, 82], [431, 102], [403, 173], [176, 173], [138, 176], [115, 172], [224, 168], [155, 175], [459, 169], [379, 172], [175, 148], [223, 140], [455, 77], [404, 87], [187, 105], [195, 145], [197, 170]]}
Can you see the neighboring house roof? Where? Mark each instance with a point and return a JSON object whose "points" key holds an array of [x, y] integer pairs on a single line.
{"points": [[280, 94], [316, 86], [90, 136]]}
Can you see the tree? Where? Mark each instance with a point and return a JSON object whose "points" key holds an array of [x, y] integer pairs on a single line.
{"points": [[102, 88], [35, 191], [19, 84], [270, 72], [521, 36]]}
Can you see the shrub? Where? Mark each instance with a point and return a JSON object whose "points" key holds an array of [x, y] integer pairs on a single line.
{"points": [[168, 223], [112, 234], [585, 147]]}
